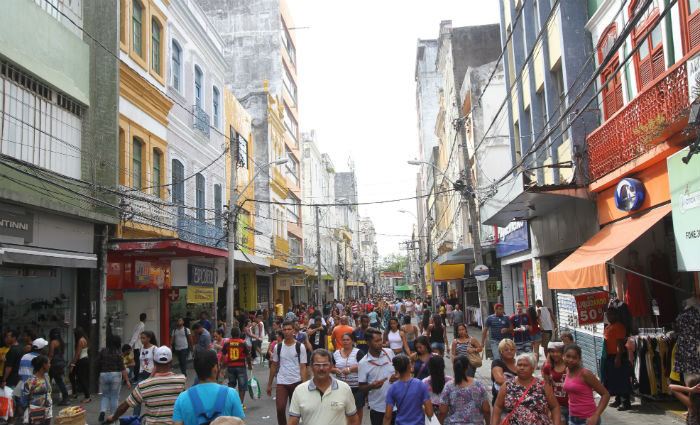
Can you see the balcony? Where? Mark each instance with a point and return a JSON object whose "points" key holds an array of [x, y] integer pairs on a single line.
{"points": [[200, 232], [281, 248], [150, 210], [200, 120], [640, 125]]}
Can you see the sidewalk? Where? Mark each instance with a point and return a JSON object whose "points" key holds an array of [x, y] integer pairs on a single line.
{"points": [[642, 412]]}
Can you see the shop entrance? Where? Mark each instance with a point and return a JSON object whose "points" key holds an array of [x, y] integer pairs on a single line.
{"points": [[137, 301]]}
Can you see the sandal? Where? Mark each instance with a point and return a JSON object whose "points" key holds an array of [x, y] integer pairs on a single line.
{"points": [[87, 400]]}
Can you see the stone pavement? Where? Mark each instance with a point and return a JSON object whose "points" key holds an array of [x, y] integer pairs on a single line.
{"points": [[262, 412]]}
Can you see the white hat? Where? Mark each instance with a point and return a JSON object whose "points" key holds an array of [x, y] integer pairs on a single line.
{"points": [[39, 343], [555, 344], [163, 355]]}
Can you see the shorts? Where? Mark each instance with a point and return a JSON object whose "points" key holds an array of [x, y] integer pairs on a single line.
{"points": [[412, 345], [238, 375], [536, 337], [438, 346], [574, 420], [360, 397]]}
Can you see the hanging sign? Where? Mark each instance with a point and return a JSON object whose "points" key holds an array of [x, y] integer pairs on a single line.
{"points": [[591, 307], [481, 272], [201, 284], [684, 183], [629, 195]]}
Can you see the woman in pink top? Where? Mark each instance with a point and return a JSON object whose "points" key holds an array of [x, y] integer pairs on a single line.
{"points": [[579, 385]]}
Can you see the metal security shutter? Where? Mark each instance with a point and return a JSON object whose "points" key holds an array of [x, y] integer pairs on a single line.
{"points": [[588, 337]]}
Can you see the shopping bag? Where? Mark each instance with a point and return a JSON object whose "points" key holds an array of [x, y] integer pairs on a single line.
{"points": [[254, 387], [130, 420], [6, 407], [432, 420]]}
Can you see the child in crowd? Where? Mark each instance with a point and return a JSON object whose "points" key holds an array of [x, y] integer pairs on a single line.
{"points": [[129, 362], [567, 338]]}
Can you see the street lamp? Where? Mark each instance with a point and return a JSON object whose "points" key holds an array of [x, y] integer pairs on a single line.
{"points": [[232, 202]]}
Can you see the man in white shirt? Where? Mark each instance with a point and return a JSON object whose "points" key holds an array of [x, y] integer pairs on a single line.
{"points": [[549, 323], [409, 307], [289, 364], [376, 374], [135, 341]]}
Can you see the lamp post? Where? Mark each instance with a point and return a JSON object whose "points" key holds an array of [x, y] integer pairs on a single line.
{"points": [[232, 221]]}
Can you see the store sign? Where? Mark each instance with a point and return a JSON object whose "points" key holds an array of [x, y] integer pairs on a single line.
{"points": [[174, 294], [513, 238], [591, 307], [142, 272], [684, 182], [283, 284], [391, 275], [629, 195], [201, 284], [17, 225]]}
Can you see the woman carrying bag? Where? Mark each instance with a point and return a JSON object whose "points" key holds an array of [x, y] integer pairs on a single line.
{"points": [[37, 392]]}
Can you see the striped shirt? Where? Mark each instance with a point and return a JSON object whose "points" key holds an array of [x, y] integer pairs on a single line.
{"points": [[157, 395]]}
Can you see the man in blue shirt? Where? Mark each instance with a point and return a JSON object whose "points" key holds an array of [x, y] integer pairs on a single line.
{"points": [[500, 327], [207, 400], [520, 324]]}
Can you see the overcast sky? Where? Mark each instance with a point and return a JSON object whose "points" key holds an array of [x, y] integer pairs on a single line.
{"points": [[355, 66]]}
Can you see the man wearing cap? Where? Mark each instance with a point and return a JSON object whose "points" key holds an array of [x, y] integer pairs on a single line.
{"points": [[24, 372], [500, 327], [157, 394]]}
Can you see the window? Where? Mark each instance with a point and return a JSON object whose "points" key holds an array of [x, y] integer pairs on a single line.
{"points": [[123, 15], [537, 16], [240, 146], [612, 92], [200, 196], [176, 65], [649, 59], [690, 20], [136, 25], [289, 85], [136, 163], [292, 169], [178, 183], [217, 206], [215, 107], [155, 45], [288, 45], [156, 172], [291, 124], [197, 86]]}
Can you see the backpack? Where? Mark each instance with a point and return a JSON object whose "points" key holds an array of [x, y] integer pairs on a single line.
{"points": [[203, 417], [297, 346]]}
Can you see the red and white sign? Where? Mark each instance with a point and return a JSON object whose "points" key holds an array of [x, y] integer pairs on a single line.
{"points": [[591, 307], [391, 274], [174, 294]]}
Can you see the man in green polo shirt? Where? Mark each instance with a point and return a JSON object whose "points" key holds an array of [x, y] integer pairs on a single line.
{"points": [[323, 400]]}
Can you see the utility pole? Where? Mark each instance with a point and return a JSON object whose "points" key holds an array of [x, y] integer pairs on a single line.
{"points": [[232, 209], [468, 195], [317, 285], [433, 290]]}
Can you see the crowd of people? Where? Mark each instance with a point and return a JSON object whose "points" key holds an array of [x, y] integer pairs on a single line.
{"points": [[326, 364]]}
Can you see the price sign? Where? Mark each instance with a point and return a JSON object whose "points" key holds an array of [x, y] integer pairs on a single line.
{"points": [[590, 307]]}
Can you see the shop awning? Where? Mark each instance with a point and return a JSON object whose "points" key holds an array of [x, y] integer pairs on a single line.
{"points": [[585, 268], [462, 255], [46, 257], [445, 272], [167, 248]]}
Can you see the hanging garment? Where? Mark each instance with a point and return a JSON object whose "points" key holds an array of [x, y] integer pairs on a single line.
{"points": [[635, 297], [688, 329]]}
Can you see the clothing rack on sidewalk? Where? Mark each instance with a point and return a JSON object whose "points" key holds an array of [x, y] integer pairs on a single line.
{"points": [[472, 316], [652, 362]]}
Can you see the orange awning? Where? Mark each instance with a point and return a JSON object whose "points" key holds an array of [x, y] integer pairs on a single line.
{"points": [[585, 268]]}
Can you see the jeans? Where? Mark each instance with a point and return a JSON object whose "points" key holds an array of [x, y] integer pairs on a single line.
{"points": [[564, 415], [57, 374], [282, 395], [182, 360], [494, 350], [574, 420], [111, 383]]}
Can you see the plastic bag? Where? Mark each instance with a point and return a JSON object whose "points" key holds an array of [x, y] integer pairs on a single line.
{"points": [[432, 421], [7, 410], [254, 387]]}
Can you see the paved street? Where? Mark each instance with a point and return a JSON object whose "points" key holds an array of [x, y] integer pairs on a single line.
{"points": [[262, 412]]}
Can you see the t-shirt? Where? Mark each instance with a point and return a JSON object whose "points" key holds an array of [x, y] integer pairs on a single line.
{"points": [[330, 408], [157, 396], [37, 393], [464, 403], [458, 317], [348, 362], [373, 317], [180, 338], [235, 352], [546, 318], [360, 340], [518, 320], [408, 398], [184, 411], [127, 360], [495, 324], [557, 383], [612, 334], [3, 353], [206, 324], [338, 333], [146, 359], [289, 371], [509, 374], [279, 310], [203, 342], [318, 337], [373, 369], [434, 398]]}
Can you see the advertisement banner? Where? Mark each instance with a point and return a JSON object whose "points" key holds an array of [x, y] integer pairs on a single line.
{"points": [[512, 239], [684, 184], [391, 274], [590, 307], [201, 284]]}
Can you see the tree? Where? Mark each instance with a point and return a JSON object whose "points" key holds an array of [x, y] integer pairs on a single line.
{"points": [[394, 263]]}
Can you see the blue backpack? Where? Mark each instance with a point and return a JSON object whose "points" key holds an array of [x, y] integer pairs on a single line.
{"points": [[203, 417]]}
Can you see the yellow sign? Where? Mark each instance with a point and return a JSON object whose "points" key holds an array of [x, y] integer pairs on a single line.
{"points": [[283, 284], [200, 294]]}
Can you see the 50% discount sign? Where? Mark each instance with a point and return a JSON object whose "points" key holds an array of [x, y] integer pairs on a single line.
{"points": [[590, 307]]}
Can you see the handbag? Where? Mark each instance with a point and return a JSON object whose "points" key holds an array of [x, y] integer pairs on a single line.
{"points": [[474, 358], [506, 420], [37, 416]]}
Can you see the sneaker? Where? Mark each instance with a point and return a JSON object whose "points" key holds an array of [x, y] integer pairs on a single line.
{"points": [[616, 403], [101, 418], [625, 406]]}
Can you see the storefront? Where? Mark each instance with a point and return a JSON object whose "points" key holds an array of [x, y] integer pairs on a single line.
{"points": [[47, 264], [447, 279], [149, 277], [513, 251], [283, 286]]}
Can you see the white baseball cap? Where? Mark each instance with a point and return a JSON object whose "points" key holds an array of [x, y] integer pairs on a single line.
{"points": [[39, 343], [163, 355]]}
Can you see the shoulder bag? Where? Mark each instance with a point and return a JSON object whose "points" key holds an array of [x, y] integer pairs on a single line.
{"points": [[506, 420]]}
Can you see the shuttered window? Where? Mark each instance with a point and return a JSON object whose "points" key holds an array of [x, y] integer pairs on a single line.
{"points": [[649, 59], [612, 91], [690, 21]]}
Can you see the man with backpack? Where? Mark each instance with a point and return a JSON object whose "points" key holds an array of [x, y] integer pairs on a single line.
{"points": [[289, 365], [206, 401], [157, 394]]}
